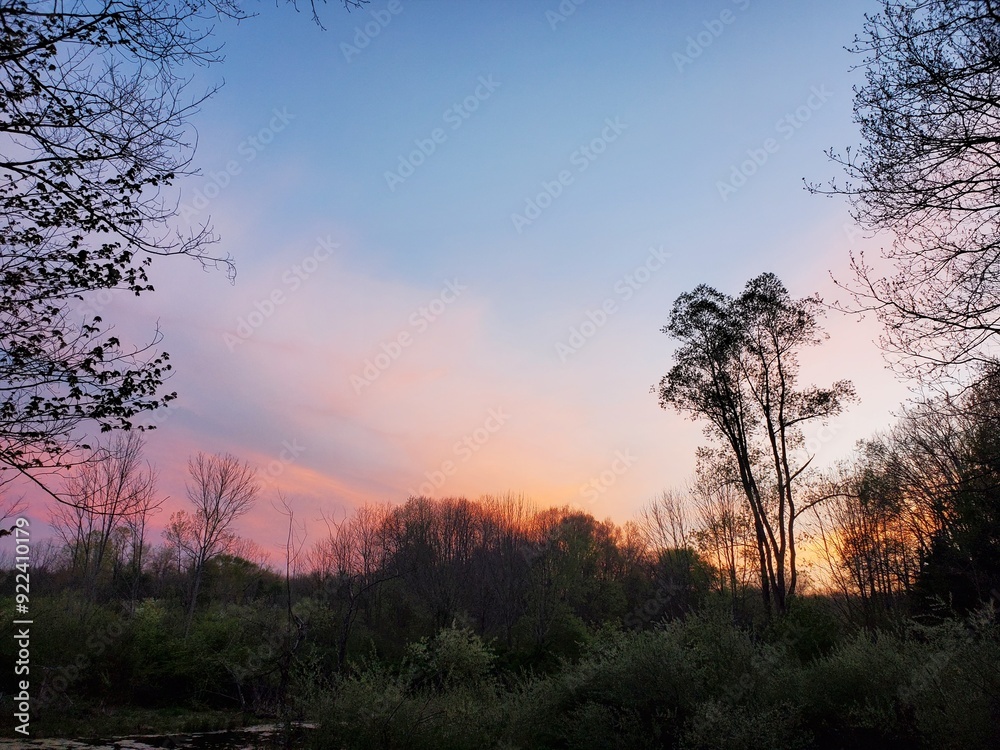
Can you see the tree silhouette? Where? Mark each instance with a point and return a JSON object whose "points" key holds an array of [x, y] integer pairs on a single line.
{"points": [[928, 170], [221, 490], [737, 368], [94, 130]]}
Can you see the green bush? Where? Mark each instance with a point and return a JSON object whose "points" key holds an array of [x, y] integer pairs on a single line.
{"points": [[853, 690], [722, 726], [443, 696], [380, 709], [952, 690], [808, 630], [455, 656]]}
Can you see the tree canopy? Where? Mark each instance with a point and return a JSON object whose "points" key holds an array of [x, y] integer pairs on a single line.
{"points": [[928, 171], [737, 368]]}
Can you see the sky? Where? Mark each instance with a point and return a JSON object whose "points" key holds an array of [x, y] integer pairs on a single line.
{"points": [[459, 229]]}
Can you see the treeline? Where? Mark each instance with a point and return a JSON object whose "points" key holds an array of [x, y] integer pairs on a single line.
{"points": [[913, 519], [398, 607], [535, 583], [434, 606]]}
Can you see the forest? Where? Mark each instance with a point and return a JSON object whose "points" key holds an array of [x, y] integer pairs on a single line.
{"points": [[492, 622], [768, 601]]}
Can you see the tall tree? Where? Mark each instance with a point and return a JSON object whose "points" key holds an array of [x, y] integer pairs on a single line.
{"points": [[928, 171], [354, 559], [221, 490], [737, 368]]}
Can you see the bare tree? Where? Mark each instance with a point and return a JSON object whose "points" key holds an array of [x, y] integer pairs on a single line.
{"points": [[724, 530], [670, 543], [913, 513], [504, 562], [221, 490], [928, 171], [107, 504], [136, 524], [11, 507], [354, 559], [866, 543], [665, 521]]}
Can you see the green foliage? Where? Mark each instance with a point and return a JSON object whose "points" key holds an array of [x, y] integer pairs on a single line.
{"points": [[160, 660], [559, 672], [809, 629], [854, 688], [455, 656], [382, 708], [697, 683], [719, 726], [628, 685], [542, 641], [952, 689]]}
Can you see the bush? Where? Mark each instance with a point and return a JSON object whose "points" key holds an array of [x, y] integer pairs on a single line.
{"points": [[455, 656], [380, 709], [721, 726], [443, 696], [952, 691]]}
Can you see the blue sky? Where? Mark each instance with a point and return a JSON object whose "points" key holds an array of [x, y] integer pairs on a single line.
{"points": [[668, 143]]}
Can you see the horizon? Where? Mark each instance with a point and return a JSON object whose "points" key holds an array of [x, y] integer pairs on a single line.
{"points": [[458, 232]]}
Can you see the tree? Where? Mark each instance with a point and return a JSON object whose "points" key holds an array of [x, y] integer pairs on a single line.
{"points": [[724, 532], [914, 513], [871, 532], [94, 127], [108, 503], [353, 561], [221, 489], [954, 453], [737, 368], [683, 577], [503, 563], [928, 170], [572, 581]]}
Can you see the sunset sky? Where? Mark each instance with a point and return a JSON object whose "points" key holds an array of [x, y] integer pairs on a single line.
{"points": [[459, 228]]}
